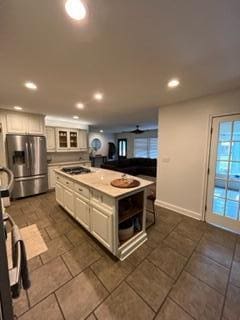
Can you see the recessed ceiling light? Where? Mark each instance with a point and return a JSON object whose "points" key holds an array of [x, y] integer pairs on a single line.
{"points": [[75, 117], [17, 108], [173, 83], [101, 131], [30, 85], [98, 96], [80, 105], [75, 9]]}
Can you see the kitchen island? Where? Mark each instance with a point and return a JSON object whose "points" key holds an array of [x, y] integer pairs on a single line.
{"points": [[104, 210]]}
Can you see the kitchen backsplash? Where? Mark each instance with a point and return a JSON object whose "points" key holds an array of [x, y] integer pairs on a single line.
{"points": [[67, 156]]}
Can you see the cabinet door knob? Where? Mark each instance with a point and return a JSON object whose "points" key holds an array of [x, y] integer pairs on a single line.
{"points": [[80, 189]]}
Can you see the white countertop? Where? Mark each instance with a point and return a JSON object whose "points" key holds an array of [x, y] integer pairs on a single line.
{"points": [[63, 163], [100, 179]]}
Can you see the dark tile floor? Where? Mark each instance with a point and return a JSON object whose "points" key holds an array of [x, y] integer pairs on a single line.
{"points": [[186, 270]]}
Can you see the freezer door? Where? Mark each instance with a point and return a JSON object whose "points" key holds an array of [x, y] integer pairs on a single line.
{"points": [[18, 155], [38, 155]]}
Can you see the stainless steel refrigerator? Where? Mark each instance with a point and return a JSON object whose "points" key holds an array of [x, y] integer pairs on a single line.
{"points": [[27, 158]]}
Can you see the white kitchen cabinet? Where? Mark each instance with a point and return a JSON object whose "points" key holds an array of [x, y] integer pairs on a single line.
{"points": [[35, 124], [82, 212], [102, 213], [51, 139], [83, 137], [52, 176], [24, 123], [68, 200], [67, 139], [17, 123], [101, 226], [59, 194]]}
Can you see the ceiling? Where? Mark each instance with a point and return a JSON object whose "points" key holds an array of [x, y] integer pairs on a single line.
{"points": [[126, 49]]}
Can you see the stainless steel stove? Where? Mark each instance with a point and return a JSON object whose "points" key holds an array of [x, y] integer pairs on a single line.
{"points": [[76, 170]]}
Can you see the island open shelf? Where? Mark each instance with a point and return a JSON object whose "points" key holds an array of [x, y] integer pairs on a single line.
{"points": [[130, 216]]}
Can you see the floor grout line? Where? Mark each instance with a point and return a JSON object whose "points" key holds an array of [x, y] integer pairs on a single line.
{"points": [[59, 306], [228, 283]]}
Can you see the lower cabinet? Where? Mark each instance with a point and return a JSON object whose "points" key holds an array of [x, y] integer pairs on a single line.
{"points": [[98, 222], [59, 194], [68, 200], [65, 198], [82, 212], [52, 177], [102, 227]]}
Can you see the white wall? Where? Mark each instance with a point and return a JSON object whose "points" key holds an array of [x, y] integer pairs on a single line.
{"points": [[183, 145], [130, 139], [104, 138]]}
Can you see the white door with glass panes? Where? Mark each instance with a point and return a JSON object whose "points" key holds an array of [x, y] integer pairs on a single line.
{"points": [[223, 204]]}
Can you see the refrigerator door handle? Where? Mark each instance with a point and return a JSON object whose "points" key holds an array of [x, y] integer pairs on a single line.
{"points": [[31, 154], [42, 176], [27, 155]]}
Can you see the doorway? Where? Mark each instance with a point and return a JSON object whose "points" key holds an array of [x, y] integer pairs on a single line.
{"points": [[122, 148], [223, 200]]}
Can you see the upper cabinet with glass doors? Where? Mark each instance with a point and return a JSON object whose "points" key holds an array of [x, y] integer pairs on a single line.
{"points": [[71, 139]]}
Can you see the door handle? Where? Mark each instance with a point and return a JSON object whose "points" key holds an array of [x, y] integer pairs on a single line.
{"points": [[27, 155], [31, 151]]}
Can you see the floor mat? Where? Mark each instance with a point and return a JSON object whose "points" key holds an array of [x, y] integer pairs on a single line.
{"points": [[33, 240]]}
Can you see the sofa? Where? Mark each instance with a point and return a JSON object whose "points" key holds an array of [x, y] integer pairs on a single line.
{"points": [[133, 166]]}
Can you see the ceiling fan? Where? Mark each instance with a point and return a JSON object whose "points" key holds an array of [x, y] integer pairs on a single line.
{"points": [[137, 130]]}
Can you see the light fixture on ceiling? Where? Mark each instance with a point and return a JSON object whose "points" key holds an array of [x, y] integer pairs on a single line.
{"points": [[98, 96], [75, 9], [17, 108], [80, 105], [173, 83], [30, 85], [76, 117], [101, 131], [137, 130]]}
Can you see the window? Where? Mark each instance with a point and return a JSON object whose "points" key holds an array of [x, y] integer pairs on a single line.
{"points": [[145, 148], [122, 148]]}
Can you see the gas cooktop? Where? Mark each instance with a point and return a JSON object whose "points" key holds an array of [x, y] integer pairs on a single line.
{"points": [[75, 170]]}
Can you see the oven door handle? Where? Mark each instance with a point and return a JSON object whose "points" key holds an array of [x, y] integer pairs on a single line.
{"points": [[18, 275], [15, 272]]}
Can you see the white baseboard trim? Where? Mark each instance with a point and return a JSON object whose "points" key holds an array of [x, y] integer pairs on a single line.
{"points": [[177, 209]]}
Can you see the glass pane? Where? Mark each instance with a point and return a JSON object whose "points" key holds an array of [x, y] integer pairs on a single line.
{"points": [[141, 147], [233, 192], [236, 131], [124, 148], [234, 170], [153, 148], [232, 209], [220, 188], [225, 131], [218, 206], [235, 153], [223, 151], [222, 169]]}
